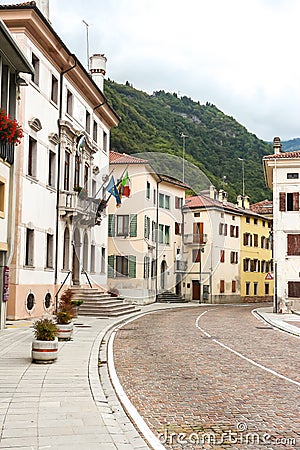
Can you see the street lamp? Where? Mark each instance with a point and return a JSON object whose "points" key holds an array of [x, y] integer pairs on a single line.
{"points": [[183, 136], [243, 175]]}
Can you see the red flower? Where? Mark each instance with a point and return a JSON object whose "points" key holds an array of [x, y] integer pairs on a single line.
{"points": [[10, 130]]}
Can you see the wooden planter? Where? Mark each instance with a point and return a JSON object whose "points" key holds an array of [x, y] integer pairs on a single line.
{"points": [[44, 352], [65, 331]]}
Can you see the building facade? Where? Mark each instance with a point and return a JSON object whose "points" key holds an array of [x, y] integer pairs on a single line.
{"points": [[12, 62], [144, 232], [62, 167], [282, 176]]}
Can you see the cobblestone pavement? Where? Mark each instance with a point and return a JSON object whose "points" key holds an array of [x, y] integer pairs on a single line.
{"points": [[226, 380]]}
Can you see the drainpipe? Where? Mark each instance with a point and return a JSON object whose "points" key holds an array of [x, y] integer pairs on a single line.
{"points": [[58, 166], [156, 240]]}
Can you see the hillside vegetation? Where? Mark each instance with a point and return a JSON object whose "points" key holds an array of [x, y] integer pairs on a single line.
{"points": [[215, 141]]}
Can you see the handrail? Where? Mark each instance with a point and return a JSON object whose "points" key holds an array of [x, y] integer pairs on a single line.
{"points": [[87, 277], [56, 295]]}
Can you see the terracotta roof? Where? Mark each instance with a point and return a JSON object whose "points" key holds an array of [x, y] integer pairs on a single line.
{"points": [[123, 158], [264, 207], [281, 155], [168, 179], [16, 5], [201, 201]]}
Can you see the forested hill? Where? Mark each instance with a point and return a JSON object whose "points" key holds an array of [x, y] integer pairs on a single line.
{"points": [[215, 141]]}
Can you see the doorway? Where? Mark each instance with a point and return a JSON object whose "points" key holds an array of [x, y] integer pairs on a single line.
{"points": [[195, 290], [163, 275]]}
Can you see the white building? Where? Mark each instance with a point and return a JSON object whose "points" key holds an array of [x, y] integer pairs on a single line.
{"points": [[282, 172], [144, 232], [55, 233], [212, 248], [12, 62]]}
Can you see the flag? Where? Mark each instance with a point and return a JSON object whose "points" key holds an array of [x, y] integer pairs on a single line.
{"points": [[125, 183], [80, 144], [113, 190]]}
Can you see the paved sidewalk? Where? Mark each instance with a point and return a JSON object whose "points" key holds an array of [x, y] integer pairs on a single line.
{"points": [[64, 405]]}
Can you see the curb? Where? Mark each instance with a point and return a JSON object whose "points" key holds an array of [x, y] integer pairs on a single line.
{"points": [[287, 329]]}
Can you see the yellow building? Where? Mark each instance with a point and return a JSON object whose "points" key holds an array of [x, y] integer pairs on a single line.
{"points": [[257, 282]]}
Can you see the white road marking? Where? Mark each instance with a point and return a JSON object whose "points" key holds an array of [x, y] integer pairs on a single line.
{"points": [[254, 363]]}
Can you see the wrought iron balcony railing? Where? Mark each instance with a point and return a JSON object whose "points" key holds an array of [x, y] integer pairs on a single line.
{"points": [[7, 152], [195, 239]]}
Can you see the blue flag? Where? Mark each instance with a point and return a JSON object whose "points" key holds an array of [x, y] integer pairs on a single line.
{"points": [[113, 190]]}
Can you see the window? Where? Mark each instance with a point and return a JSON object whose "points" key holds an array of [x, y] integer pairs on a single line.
{"points": [[161, 234], [95, 131], [4, 86], [222, 256], [255, 288], [51, 173], [247, 219], [198, 233], [31, 163], [122, 225], [161, 201], [267, 289], [255, 221], [197, 214], [153, 234], [177, 229], [247, 288], [247, 265], [47, 301], [294, 289], [121, 266], [167, 201], [67, 172], [77, 172], [87, 122], [223, 229], [86, 178], [196, 255], [2, 198], [292, 176], [234, 257], [66, 250], [105, 142], [154, 196], [222, 286], [234, 231], [49, 255], [29, 247], [36, 65], [147, 230], [69, 102], [233, 286], [179, 204], [289, 201], [293, 244], [92, 265], [263, 266], [167, 235], [103, 260], [146, 266], [148, 190], [255, 265], [248, 239], [255, 239], [54, 90]]}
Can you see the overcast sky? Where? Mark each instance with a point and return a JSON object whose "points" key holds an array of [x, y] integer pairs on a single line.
{"points": [[241, 55]]}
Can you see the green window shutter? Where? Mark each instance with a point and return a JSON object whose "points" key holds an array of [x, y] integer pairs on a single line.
{"points": [[132, 266], [111, 225], [111, 266], [133, 225]]}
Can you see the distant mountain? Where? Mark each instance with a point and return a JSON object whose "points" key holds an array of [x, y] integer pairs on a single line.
{"points": [[291, 145], [215, 142]]}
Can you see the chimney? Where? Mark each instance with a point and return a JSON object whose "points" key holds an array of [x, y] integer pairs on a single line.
{"points": [[277, 145], [212, 192], [240, 201], [98, 69], [223, 196], [43, 6], [246, 202]]}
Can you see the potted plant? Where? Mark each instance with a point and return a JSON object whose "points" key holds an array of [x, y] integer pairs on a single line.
{"points": [[76, 304], [10, 131], [64, 316], [45, 345]]}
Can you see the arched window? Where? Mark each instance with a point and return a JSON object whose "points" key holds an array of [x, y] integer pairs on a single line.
{"points": [[66, 254]]}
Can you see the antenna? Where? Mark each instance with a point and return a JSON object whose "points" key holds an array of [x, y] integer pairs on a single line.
{"points": [[87, 44]]}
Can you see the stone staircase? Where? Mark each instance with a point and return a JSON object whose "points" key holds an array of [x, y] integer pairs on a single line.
{"points": [[100, 304], [170, 297]]}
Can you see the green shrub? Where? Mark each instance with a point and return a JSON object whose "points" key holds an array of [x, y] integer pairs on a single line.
{"points": [[45, 330]]}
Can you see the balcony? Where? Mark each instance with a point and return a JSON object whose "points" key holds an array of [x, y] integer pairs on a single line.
{"points": [[195, 239], [7, 152], [71, 204]]}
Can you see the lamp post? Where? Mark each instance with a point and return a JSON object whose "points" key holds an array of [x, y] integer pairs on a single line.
{"points": [[243, 175], [87, 44], [183, 136]]}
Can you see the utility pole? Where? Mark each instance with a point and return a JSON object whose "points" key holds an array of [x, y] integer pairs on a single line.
{"points": [[183, 136]]}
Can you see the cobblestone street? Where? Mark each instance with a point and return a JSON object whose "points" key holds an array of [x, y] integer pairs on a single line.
{"points": [[218, 375]]}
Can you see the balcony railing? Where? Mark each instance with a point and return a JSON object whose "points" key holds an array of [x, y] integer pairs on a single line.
{"points": [[7, 152], [195, 239], [72, 204]]}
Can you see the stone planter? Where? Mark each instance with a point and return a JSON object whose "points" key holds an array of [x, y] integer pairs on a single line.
{"points": [[64, 331], [44, 352]]}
